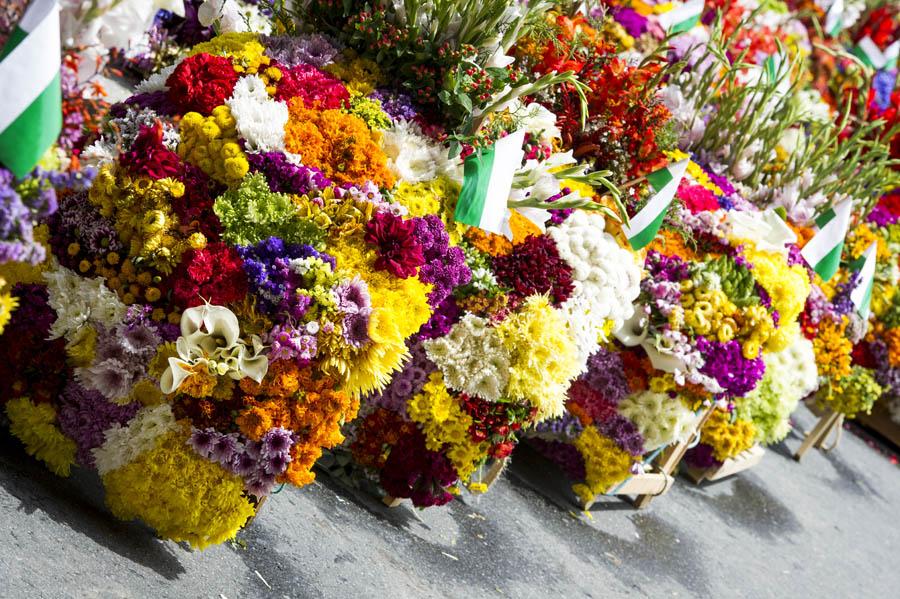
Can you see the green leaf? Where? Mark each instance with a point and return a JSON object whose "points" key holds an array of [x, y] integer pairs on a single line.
{"points": [[465, 101]]}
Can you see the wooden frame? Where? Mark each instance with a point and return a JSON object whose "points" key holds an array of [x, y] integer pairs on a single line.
{"points": [[744, 460], [657, 479], [828, 423]]}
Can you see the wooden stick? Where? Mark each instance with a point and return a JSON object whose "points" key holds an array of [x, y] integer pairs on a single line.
{"points": [[494, 471], [837, 426], [816, 434]]}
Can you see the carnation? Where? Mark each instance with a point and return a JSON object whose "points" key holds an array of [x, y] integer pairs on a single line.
{"points": [[260, 120], [201, 82]]}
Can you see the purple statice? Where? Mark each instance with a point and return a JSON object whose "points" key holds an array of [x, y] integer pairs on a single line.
{"points": [[567, 426], [272, 278], [397, 105], [605, 374], [883, 83], [564, 455], [84, 416], [406, 383], [22, 203], [632, 21], [284, 176], [287, 342], [726, 363], [442, 320], [841, 303], [313, 49], [445, 267], [624, 432]]}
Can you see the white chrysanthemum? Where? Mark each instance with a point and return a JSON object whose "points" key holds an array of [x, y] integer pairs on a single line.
{"points": [[78, 300], [472, 358], [606, 277], [413, 156], [230, 16], [155, 82], [660, 419], [123, 444], [260, 120], [797, 366]]}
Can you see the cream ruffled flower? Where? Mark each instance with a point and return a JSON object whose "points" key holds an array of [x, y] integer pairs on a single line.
{"points": [[210, 342]]}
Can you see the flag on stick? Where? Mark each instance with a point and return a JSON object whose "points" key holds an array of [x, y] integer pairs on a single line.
{"points": [[823, 251], [872, 56], [30, 94], [643, 227], [487, 181], [861, 296], [683, 17]]}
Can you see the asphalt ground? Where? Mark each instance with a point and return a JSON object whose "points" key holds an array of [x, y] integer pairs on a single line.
{"points": [[826, 527]]}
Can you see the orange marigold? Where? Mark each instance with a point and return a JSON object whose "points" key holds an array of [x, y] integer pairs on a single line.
{"points": [[337, 143], [832, 349]]}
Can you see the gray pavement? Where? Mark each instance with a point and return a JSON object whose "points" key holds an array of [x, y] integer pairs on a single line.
{"points": [[825, 528]]}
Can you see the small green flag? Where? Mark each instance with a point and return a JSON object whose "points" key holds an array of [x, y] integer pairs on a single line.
{"points": [[683, 17], [30, 94], [643, 227], [861, 296], [823, 251], [834, 18], [487, 182], [872, 56]]}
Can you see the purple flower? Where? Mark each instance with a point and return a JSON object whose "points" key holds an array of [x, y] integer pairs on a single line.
{"points": [[352, 297], [406, 383], [84, 415], [309, 48], [276, 441], [203, 441], [243, 464], [564, 455], [445, 267], [355, 329], [725, 363], [632, 21], [624, 432], [397, 105], [284, 176], [605, 375]]}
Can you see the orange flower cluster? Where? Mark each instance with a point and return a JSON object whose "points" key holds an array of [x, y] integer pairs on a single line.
{"points": [[291, 398], [498, 245], [338, 144], [833, 349]]}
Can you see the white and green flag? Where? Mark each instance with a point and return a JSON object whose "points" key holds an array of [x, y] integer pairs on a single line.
{"points": [[861, 296], [487, 181], [834, 18], [683, 17], [30, 94], [823, 251], [643, 227], [872, 56]]}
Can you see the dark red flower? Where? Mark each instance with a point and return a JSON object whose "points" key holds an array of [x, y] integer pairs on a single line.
{"points": [[148, 156], [318, 89], [201, 82], [399, 252], [534, 267]]}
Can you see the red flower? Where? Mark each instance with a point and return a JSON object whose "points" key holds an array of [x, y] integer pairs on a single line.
{"points": [[201, 82], [534, 267], [215, 274], [697, 198], [317, 88], [148, 156], [398, 250]]}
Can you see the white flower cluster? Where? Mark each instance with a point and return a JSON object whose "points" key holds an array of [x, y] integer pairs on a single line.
{"points": [[232, 16], [123, 444], [606, 278], [660, 419], [412, 156], [79, 300], [472, 358], [260, 119], [796, 367]]}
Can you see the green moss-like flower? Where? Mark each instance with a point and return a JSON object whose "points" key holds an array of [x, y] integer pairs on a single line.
{"points": [[736, 280], [253, 212], [851, 394], [369, 110]]}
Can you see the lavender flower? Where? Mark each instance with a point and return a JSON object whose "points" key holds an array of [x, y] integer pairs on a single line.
{"points": [[725, 363], [284, 176], [314, 49], [84, 415]]}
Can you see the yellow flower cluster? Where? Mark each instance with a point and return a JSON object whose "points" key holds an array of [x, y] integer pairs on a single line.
{"points": [[399, 308], [361, 75], [543, 358], [8, 303], [727, 438], [142, 210], [859, 240], [444, 423], [246, 53], [832, 348], [788, 286], [211, 144], [35, 426], [422, 199], [180, 494], [24, 272], [605, 463], [708, 311]]}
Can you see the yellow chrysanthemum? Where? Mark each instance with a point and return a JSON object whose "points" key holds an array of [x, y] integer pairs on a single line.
{"points": [[35, 426]]}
